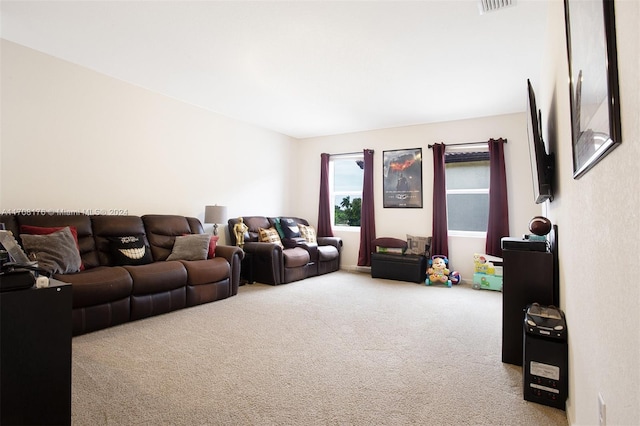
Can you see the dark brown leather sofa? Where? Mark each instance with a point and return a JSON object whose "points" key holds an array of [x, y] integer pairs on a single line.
{"points": [[105, 295], [297, 260]]}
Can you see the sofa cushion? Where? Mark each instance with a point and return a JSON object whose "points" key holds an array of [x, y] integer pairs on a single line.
{"points": [[157, 277], [326, 253], [295, 257], [56, 252], [190, 247], [130, 250], [270, 236], [201, 272], [162, 231], [96, 286], [254, 223], [308, 233]]}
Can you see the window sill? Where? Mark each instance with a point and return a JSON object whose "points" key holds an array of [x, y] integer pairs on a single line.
{"points": [[467, 234], [346, 228]]}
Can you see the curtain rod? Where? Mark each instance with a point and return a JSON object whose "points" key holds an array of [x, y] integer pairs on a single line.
{"points": [[468, 143], [347, 153], [350, 153]]}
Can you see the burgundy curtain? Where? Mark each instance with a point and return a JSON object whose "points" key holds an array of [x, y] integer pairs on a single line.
{"points": [[324, 205], [498, 225], [367, 216], [440, 235]]}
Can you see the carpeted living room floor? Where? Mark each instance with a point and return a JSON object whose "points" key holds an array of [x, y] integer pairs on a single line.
{"points": [[340, 349]]}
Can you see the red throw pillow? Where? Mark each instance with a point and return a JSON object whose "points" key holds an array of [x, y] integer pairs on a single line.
{"points": [[41, 230], [212, 246]]}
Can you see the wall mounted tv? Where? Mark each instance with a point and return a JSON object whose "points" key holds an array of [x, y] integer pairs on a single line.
{"points": [[542, 164]]}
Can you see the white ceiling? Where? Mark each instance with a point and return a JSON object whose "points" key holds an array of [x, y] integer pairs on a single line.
{"points": [[302, 68]]}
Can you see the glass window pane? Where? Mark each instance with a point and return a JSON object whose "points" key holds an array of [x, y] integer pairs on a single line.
{"points": [[469, 175], [348, 176], [347, 210], [340, 201], [468, 212]]}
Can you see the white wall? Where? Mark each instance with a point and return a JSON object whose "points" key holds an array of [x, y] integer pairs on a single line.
{"points": [[599, 230], [77, 140], [391, 222]]}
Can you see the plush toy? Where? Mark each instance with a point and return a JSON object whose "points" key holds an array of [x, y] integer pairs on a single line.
{"points": [[438, 271]]}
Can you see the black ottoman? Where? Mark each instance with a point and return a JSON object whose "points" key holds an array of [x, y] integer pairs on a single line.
{"points": [[401, 267]]}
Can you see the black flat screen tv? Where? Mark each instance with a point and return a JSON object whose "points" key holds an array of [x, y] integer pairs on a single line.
{"points": [[542, 164]]}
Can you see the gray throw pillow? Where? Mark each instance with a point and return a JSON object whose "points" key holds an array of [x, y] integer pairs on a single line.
{"points": [[190, 247], [418, 245], [56, 253]]}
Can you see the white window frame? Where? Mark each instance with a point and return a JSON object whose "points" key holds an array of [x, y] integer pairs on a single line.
{"points": [[333, 193]]}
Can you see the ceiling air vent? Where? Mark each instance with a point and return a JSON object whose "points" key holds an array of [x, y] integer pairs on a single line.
{"points": [[486, 6]]}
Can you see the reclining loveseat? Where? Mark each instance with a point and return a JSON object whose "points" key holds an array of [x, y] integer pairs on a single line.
{"points": [[155, 278], [279, 252]]}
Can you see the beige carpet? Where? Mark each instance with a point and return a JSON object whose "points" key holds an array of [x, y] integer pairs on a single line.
{"points": [[341, 349]]}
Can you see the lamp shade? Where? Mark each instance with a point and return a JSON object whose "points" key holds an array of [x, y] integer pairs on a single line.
{"points": [[215, 214]]}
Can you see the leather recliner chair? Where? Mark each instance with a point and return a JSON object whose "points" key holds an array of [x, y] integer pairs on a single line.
{"points": [[295, 260]]}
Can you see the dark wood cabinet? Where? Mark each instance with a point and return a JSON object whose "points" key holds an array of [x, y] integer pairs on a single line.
{"points": [[528, 277], [35, 356]]}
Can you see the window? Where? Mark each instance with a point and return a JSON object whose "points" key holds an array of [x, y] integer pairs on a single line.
{"points": [[346, 176], [467, 177]]}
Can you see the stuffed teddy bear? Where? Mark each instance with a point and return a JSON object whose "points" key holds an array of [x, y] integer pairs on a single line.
{"points": [[438, 271]]}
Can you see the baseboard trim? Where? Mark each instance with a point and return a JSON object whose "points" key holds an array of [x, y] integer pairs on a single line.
{"points": [[367, 270], [356, 268]]}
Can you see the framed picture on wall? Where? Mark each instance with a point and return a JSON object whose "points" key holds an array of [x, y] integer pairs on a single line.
{"points": [[593, 72], [402, 178]]}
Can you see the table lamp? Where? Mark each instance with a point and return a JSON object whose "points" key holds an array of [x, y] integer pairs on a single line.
{"points": [[215, 214]]}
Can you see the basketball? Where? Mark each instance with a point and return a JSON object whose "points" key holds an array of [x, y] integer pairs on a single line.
{"points": [[540, 225]]}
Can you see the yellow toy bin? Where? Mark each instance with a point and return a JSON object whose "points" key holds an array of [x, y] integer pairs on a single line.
{"points": [[487, 282]]}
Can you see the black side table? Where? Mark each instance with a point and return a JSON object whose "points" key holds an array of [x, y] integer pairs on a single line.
{"points": [[35, 356], [246, 269], [527, 278]]}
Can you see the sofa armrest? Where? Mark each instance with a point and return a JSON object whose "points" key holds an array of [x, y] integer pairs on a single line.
{"points": [[292, 242], [262, 248], [234, 256], [311, 248], [333, 241], [267, 260]]}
